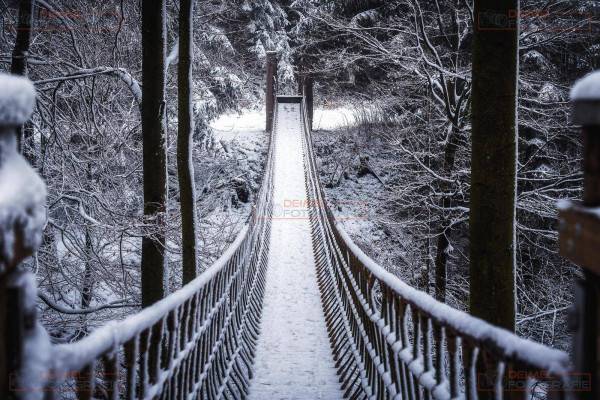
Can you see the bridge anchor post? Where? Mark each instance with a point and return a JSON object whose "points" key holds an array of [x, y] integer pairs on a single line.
{"points": [[579, 236], [24, 345], [271, 88], [307, 88]]}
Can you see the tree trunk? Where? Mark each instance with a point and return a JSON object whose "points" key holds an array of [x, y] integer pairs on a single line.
{"points": [[185, 166], [441, 257], [19, 67], [87, 286], [21, 49], [88, 273], [493, 162], [154, 272]]}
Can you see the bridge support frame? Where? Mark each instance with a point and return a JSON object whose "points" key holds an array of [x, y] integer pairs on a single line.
{"points": [[271, 88], [579, 237]]}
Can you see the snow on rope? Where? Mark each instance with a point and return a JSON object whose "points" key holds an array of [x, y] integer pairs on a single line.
{"points": [[392, 341], [198, 342]]}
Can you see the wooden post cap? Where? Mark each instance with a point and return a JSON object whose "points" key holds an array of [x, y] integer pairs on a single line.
{"points": [[17, 100], [585, 100]]}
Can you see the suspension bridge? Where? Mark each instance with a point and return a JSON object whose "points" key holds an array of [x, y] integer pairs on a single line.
{"points": [[292, 310]]}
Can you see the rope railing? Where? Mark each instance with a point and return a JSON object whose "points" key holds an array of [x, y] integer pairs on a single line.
{"points": [[198, 342], [391, 341]]}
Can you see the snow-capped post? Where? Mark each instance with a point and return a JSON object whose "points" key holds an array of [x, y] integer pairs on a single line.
{"points": [[579, 226], [271, 88], [23, 355], [307, 83]]}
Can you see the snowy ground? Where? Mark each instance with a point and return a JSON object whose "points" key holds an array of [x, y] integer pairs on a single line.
{"points": [[293, 358], [242, 127], [333, 118]]}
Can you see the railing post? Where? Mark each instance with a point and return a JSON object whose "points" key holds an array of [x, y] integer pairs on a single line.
{"points": [[580, 233], [271, 88], [24, 351], [300, 81], [307, 84]]}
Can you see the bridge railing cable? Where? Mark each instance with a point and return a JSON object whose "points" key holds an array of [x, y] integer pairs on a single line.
{"points": [[198, 342], [391, 341]]}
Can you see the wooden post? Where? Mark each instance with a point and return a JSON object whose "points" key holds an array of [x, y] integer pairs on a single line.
{"points": [[271, 88], [308, 94], [22, 218], [580, 234], [300, 80]]}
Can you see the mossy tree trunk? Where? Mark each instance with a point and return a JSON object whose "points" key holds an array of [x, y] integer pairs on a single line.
{"points": [[493, 162]]}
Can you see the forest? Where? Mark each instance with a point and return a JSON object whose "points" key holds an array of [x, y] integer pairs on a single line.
{"points": [[148, 130]]}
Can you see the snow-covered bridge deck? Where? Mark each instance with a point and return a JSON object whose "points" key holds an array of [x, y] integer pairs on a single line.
{"points": [[293, 359]]}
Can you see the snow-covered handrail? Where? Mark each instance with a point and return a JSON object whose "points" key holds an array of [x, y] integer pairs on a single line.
{"points": [[392, 341], [198, 342]]}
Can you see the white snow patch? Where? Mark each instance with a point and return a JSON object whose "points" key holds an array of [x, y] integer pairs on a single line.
{"points": [[549, 92], [587, 88], [330, 119], [17, 99], [565, 205], [239, 126]]}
